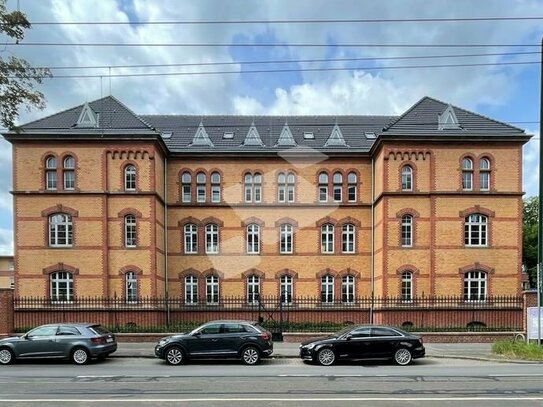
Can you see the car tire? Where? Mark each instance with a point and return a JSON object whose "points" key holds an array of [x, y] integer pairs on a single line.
{"points": [[326, 357], [80, 356], [6, 356], [174, 356], [403, 357], [250, 355]]}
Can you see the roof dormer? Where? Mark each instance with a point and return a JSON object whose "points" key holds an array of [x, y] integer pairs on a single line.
{"points": [[252, 138], [336, 138], [447, 120], [201, 138], [87, 117], [285, 138]]}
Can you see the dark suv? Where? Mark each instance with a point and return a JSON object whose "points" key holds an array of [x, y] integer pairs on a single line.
{"points": [[217, 339]]}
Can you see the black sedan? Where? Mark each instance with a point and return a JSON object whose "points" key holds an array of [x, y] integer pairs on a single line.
{"points": [[217, 339], [77, 342], [364, 342]]}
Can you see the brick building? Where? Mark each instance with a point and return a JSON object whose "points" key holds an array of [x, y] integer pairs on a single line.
{"points": [[205, 207], [7, 277]]}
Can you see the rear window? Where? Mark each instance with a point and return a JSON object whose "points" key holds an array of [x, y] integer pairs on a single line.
{"points": [[253, 329], [98, 330]]}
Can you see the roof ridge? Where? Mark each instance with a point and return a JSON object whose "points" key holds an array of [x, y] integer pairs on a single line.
{"points": [[392, 123], [264, 115]]}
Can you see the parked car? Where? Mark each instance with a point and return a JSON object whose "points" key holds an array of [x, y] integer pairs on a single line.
{"points": [[218, 339], [77, 342], [364, 342]]}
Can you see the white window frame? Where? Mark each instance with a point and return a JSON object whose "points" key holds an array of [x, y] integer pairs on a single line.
{"points": [[60, 228], [348, 238], [61, 286], [327, 289], [212, 238], [186, 181], [352, 183], [337, 187], [475, 286], [253, 238], [286, 234], [252, 188], [291, 187], [68, 175], [131, 287], [130, 177], [281, 187], [253, 289], [212, 290], [130, 231], [467, 174], [323, 187], [201, 180], [484, 174], [286, 288], [348, 289], [51, 173], [476, 229], [190, 238], [407, 178], [215, 187], [327, 238], [406, 293], [406, 231], [191, 290]]}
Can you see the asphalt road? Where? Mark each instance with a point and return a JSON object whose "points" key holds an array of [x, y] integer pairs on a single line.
{"points": [[277, 382]]}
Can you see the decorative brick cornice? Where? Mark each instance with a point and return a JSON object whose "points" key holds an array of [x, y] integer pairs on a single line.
{"points": [[213, 272], [349, 272], [407, 211], [129, 211], [286, 272], [132, 268], [325, 220], [286, 220], [407, 268], [348, 220], [326, 271], [188, 272], [59, 208], [188, 220], [476, 267], [252, 220], [212, 219], [253, 272], [60, 267], [477, 209], [407, 155]]}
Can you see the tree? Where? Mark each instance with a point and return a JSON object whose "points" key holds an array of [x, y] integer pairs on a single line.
{"points": [[17, 77], [529, 236]]}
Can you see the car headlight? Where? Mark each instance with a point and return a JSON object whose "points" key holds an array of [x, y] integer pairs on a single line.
{"points": [[163, 341], [310, 346]]}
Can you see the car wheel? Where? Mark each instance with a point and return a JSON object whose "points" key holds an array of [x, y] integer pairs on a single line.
{"points": [[326, 357], [250, 355], [403, 357], [175, 356], [80, 356], [6, 356]]}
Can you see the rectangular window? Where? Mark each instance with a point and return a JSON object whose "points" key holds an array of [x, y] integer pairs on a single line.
{"points": [[467, 181], [186, 193], [248, 193], [327, 290], [212, 239], [215, 193], [285, 239], [51, 179], [212, 290], [69, 180], [191, 290], [327, 239], [290, 193], [281, 194], [347, 236], [323, 194], [257, 193], [352, 193], [485, 181], [201, 193], [337, 193]]}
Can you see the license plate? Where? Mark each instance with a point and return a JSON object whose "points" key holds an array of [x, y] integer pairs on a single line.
{"points": [[109, 340]]}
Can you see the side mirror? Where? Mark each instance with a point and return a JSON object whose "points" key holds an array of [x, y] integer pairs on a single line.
{"points": [[348, 337], [197, 334]]}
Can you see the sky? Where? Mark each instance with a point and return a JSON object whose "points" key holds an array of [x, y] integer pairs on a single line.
{"points": [[508, 93]]}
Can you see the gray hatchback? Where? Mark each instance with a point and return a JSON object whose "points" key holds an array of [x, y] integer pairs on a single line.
{"points": [[77, 342]]}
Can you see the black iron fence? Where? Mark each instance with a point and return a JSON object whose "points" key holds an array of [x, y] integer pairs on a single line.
{"points": [[309, 314]]}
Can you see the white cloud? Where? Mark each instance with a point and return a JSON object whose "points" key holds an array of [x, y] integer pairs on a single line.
{"points": [[530, 170], [6, 242]]}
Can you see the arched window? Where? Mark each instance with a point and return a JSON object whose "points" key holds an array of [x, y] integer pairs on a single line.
{"points": [[407, 178], [69, 173], [212, 238], [484, 174], [212, 289], [191, 289], [286, 287], [253, 187], [215, 187], [281, 187], [327, 289], [407, 286], [407, 231], [51, 173], [285, 238], [338, 186], [475, 230], [291, 184], [323, 187], [352, 181], [130, 231], [253, 289], [130, 178], [347, 289], [347, 238], [131, 286], [475, 283], [186, 180], [60, 230], [191, 239], [61, 286], [253, 239], [200, 187], [327, 238], [467, 174]]}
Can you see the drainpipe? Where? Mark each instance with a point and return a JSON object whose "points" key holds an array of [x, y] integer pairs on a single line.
{"points": [[372, 275]]}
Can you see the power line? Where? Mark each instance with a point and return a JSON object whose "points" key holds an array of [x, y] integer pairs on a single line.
{"points": [[407, 57], [264, 45], [259, 71], [294, 21]]}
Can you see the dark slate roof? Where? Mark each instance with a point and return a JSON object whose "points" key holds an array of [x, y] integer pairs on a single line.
{"points": [[422, 120], [183, 129], [113, 115]]}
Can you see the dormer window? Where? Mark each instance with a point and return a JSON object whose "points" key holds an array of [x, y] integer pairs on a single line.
{"points": [[201, 138], [336, 138], [286, 139], [87, 118], [447, 120], [308, 135], [253, 138], [228, 135]]}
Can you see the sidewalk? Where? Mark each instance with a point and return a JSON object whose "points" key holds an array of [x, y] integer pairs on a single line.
{"points": [[475, 351]]}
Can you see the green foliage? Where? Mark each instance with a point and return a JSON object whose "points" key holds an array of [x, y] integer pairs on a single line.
{"points": [[17, 77], [518, 350], [529, 236]]}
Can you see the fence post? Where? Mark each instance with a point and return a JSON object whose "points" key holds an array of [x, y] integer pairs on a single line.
{"points": [[7, 316]]}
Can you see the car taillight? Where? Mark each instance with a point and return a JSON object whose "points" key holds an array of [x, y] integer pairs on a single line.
{"points": [[99, 340], [265, 336], [422, 343]]}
